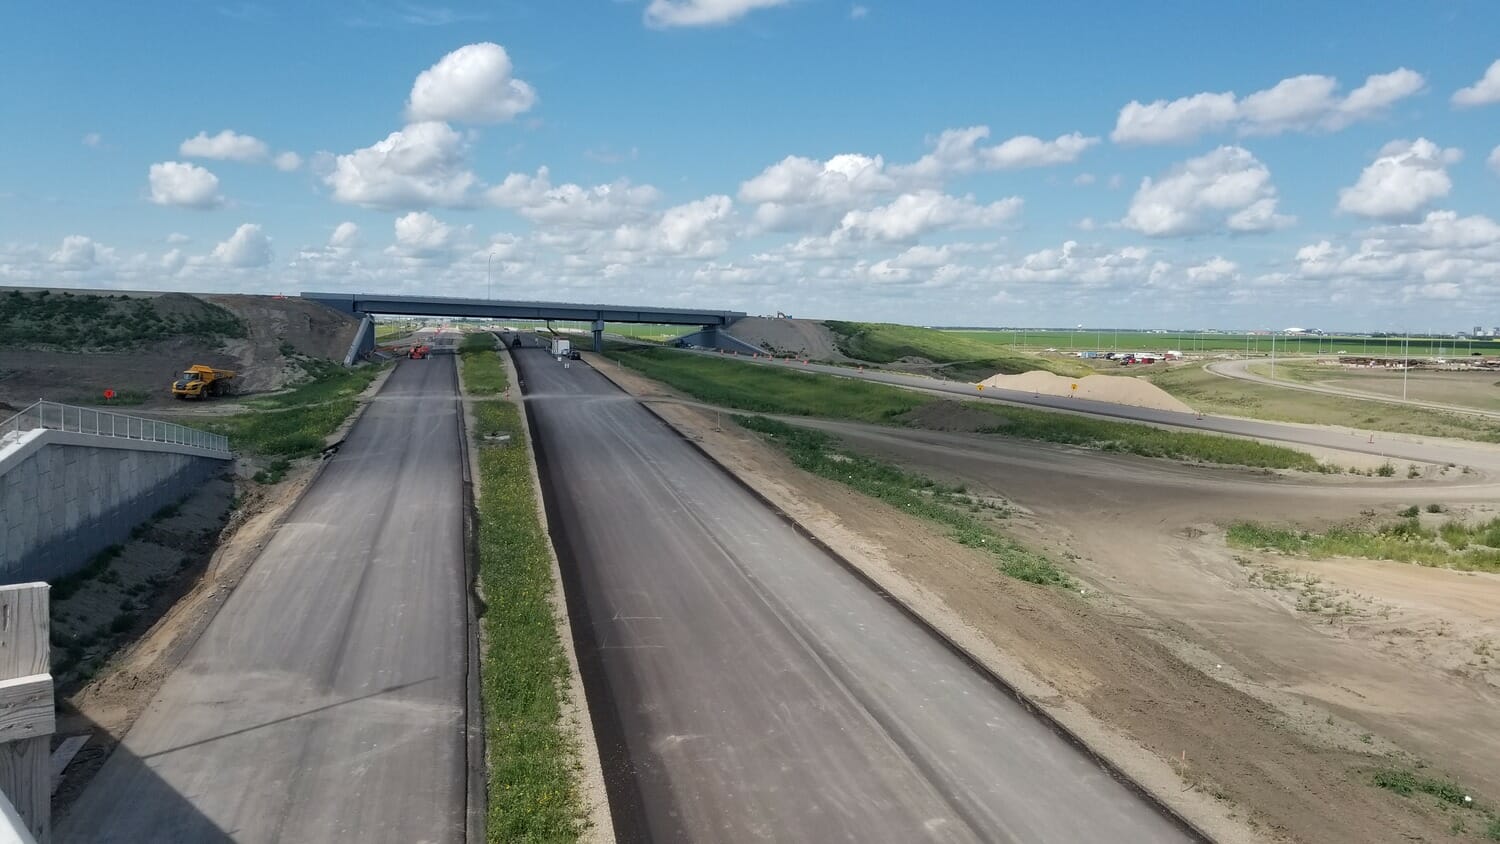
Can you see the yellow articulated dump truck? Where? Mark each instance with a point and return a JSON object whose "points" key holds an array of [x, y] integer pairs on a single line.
{"points": [[201, 382]]}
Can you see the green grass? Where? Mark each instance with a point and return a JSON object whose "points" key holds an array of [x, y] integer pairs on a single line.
{"points": [[1143, 440], [483, 375], [909, 492], [1189, 341], [328, 381], [532, 765], [1214, 394], [73, 321], [1458, 545], [1449, 795], [295, 423], [881, 342], [765, 389]]}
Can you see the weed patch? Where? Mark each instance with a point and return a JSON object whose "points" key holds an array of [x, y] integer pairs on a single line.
{"points": [[1455, 544]]}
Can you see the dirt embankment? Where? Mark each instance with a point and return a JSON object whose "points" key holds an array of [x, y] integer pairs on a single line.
{"points": [[804, 338], [1108, 388], [73, 353], [1243, 768]]}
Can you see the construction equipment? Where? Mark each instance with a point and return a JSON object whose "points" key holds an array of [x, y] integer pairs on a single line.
{"points": [[201, 382], [419, 352]]}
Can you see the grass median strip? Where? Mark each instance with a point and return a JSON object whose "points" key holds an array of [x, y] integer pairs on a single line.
{"points": [[1454, 544], [483, 374], [765, 389], [531, 760], [952, 507]]}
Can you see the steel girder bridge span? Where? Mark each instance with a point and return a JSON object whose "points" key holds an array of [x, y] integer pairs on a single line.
{"points": [[367, 304]]}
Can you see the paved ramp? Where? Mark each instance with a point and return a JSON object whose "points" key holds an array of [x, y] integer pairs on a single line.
{"points": [[326, 701], [747, 687]]}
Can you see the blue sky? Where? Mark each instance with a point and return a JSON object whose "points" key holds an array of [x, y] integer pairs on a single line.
{"points": [[1148, 164]]}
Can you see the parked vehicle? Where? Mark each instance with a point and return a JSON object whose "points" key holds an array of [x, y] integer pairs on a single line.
{"points": [[201, 382]]}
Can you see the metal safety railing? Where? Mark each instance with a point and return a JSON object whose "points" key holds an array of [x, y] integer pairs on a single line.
{"points": [[86, 420]]}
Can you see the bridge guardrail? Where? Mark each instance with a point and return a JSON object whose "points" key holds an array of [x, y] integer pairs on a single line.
{"points": [[86, 420]]}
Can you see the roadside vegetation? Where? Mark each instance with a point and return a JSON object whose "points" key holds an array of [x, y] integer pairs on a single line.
{"points": [[74, 322], [969, 359], [530, 758], [295, 423], [1450, 797], [1215, 394], [764, 389], [962, 514], [1453, 544], [1144, 440]]}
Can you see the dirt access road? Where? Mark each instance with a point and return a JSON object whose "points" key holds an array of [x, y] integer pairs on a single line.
{"points": [[326, 701], [1240, 369], [1392, 446], [746, 686]]}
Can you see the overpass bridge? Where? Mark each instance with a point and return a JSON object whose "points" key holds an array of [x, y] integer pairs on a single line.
{"points": [[365, 304]]}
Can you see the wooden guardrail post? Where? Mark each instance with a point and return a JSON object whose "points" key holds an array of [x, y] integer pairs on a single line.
{"points": [[27, 720]]}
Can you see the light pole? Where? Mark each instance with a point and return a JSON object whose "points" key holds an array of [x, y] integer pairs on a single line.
{"points": [[489, 291], [1405, 364]]}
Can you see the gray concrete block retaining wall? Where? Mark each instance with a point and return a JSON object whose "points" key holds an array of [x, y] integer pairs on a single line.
{"points": [[62, 503]]}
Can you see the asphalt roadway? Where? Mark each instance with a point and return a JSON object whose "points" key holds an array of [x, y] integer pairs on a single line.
{"points": [[746, 686], [1394, 446], [326, 700]]}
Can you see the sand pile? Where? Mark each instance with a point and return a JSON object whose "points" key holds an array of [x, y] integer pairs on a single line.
{"points": [[1135, 392]]}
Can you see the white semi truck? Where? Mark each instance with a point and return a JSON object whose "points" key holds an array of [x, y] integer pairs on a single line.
{"points": [[561, 347]]}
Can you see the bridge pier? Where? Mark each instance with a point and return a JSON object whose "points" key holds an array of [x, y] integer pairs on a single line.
{"points": [[598, 335]]}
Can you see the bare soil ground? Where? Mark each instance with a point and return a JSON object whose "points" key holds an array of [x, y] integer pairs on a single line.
{"points": [[792, 337], [1476, 389], [1258, 720], [306, 327], [1111, 388]]}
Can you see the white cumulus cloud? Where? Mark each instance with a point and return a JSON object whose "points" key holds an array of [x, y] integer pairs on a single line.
{"points": [[185, 185], [421, 235], [473, 84], [913, 214], [247, 247], [700, 228], [1297, 103], [959, 151], [797, 191], [1403, 179], [600, 206], [345, 236], [665, 13], [1227, 188], [1216, 268], [1483, 92], [286, 162], [76, 253], [423, 164], [228, 145], [1494, 160]]}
